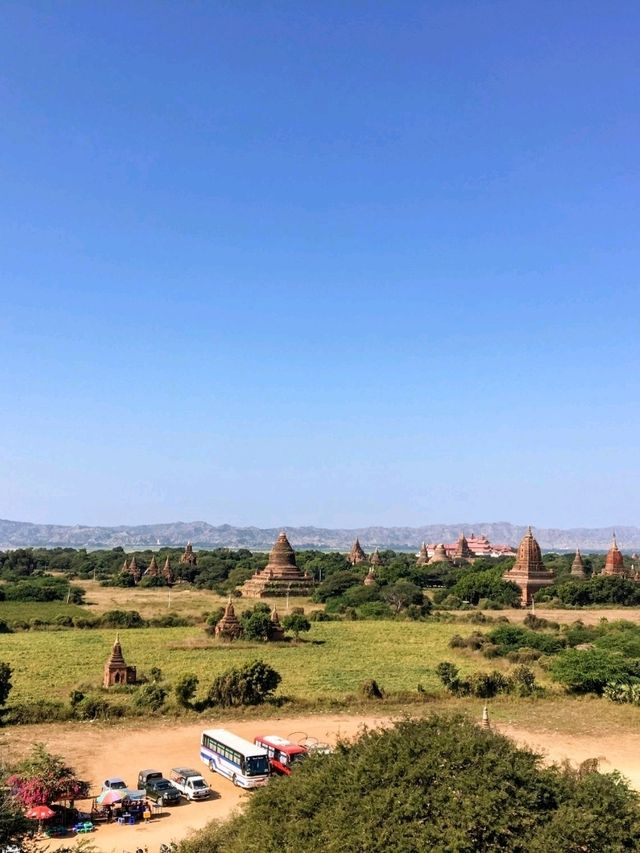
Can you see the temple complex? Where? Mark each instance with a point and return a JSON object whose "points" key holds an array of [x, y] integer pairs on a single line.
{"points": [[479, 546], [577, 567], [116, 671], [281, 575], [276, 631], [356, 554], [462, 550], [528, 571], [439, 555], [229, 627], [189, 555], [614, 563], [423, 555]]}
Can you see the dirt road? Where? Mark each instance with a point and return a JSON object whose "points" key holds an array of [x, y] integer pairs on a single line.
{"points": [[100, 751]]}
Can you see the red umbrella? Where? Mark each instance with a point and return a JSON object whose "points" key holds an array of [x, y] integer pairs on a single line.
{"points": [[40, 813]]}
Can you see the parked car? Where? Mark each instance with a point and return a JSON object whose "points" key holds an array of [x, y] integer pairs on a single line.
{"points": [[114, 783], [145, 776], [190, 783], [162, 792]]}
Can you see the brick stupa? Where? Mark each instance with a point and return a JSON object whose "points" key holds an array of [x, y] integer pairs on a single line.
{"points": [[167, 573], [370, 577], [614, 564], [528, 571], [439, 555], [229, 627], [152, 570], [577, 567], [462, 550], [281, 575], [189, 555], [356, 554], [423, 555], [116, 671]]}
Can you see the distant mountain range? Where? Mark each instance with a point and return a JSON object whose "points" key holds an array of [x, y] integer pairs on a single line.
{"points": [[16, 534]]}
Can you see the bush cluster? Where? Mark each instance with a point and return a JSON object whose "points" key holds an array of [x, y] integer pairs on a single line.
{"points": [[485, 685]]}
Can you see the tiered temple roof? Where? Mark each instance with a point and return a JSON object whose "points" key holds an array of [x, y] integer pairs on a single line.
{"points": [[440, 555], [152, 569], [423, 555], [577, 567], [189, 555], [116, 671], [375, 559], [463, 551], [167, 572], [229, 627], [281, 575], [134, 569], [277, 631], [614, 563], [356, 554], [370, 577], [528, 571]]}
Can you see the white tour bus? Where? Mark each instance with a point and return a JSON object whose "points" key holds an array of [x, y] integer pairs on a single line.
{"points": [[246, 764]]}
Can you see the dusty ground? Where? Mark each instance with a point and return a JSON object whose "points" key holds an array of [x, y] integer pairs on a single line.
{"points": [[98, 752], [589, 617]]}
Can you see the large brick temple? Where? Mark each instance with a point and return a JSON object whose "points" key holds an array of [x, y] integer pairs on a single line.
{"points": [[529, 572], [281, 575]]}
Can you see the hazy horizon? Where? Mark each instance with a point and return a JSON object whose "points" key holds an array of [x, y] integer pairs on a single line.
{"points": [[320, 264]]}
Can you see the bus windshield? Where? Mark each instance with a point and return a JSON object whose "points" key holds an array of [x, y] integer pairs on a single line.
{"points": [[256, 765]]}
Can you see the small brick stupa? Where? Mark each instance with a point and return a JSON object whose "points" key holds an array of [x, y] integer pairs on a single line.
{"points": [[375, 559], [423, 555], [462, 550], [370, 577], [116, 671], [276, 631], [356, 554], [134, 569], [189, 555], [614, 564], [439, 555], [281, 575], [167, 573], [528, 571], [152, 570], [229, 627], [577, 567]]}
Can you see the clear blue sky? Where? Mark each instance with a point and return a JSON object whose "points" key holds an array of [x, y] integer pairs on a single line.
{"points": [[331, 263]]}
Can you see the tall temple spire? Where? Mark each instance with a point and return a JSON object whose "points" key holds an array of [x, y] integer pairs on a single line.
{"points": [[356, 554], [577, 567], [614, 562], [529, 572], [423, 555], [281, 575]]}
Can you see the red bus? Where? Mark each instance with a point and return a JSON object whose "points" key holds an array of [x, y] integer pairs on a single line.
{"points": [[283, 753]]}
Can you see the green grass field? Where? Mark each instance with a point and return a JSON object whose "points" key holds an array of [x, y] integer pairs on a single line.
{"points": [[25, 611], [333, 661]]}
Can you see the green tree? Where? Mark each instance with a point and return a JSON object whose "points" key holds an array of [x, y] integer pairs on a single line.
{"points": [[250, 684], [590, 670], [5, 683], [185, 689], [297, 623], [402, 594], [436, 784], [256, 623], [13, 824]]}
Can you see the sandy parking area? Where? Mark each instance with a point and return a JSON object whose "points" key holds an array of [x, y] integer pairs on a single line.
{"points": [[100, 751]]}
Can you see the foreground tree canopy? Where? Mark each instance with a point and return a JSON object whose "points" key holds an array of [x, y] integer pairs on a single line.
{"points": [[440, 784]]}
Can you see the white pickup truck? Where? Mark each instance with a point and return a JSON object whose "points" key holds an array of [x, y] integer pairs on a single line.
{"points": [[190, 783]]}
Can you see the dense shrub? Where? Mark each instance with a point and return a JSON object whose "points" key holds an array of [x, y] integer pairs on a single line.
{"points": [[256, 623], [170, 620], [511, 638], [37, 711], [489, 584], [436, 784], [250, 684], [122, 619], [590, 670], [371, 690], [150, 696], [600, 589], [4, 628], [485, 685], [185, 690]]}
